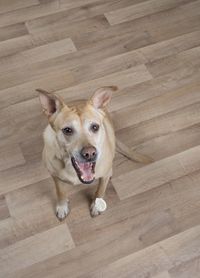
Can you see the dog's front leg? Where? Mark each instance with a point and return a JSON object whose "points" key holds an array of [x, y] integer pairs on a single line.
{"points": [[62, 207], [99, 205]]}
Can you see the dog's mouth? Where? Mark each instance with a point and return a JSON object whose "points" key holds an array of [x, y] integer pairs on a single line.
{"points": [[85, 170]]}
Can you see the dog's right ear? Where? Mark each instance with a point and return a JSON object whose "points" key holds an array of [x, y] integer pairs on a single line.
{"points": [[102, 96], [50, 103]]}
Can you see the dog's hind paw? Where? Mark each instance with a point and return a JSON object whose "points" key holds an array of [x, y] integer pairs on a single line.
{"points": [[97, 207], [62, 210]]}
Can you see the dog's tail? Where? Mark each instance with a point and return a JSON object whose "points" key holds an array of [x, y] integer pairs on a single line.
{"points": [[132, 155]]}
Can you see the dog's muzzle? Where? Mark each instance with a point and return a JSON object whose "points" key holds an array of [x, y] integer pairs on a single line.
{"points": [[85, 170]]}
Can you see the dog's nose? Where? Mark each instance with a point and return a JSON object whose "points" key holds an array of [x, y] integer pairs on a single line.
{"points": [[89, 153]]}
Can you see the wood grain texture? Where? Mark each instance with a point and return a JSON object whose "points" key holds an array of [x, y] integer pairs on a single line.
{"points": [[10, 156], [9, 5], [4, 212], [149, 49], [38, 54], [34, 249], [155, 258], [159, 172], [140, 10], [12, 31]]}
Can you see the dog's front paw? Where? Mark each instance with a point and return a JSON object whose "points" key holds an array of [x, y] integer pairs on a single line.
{"points": [[62, 210], [97, 207]]}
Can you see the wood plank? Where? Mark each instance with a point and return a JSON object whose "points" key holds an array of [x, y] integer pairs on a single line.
{"points": [[134, 95], [4, 212], [32, 216], [76, 11], [22, 175], [171, 46], [35, 248], [180, 140], [163, 104], [164, 274], [155, 258], [156, 27], [89, 4], [14, 45], [12, 31], [38, 71], [10, 156], [51, 82], [99, 68], [162, 125], [187, 214], [71, 4], [188, 58], [145, 50], [129, 77], [24, 14], [140, 10], [136, 73], [9, 5], [187, 269], [29, 198], [78, 27], [157, 173], [37, 54]]}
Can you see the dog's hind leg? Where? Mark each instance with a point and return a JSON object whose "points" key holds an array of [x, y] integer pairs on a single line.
{"points": [[132, 155], [62, 207], [99, 205]]}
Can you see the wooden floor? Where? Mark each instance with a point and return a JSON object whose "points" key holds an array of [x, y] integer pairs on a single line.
{"points": [[150, 49]]}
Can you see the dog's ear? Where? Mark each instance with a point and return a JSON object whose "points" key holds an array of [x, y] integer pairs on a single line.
{"points": [[50, 103], [102, 96]]}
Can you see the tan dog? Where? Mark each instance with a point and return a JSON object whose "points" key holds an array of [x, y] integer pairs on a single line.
{"points": [[79, 145]]}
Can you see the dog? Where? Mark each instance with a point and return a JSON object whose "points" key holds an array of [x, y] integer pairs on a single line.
{"points": [[80, 144]]}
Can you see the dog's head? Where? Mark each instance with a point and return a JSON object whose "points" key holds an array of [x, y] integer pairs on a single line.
{"points": [[78, 128]]}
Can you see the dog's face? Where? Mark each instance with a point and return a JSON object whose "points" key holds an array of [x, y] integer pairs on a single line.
{"points": [[79, 129]]}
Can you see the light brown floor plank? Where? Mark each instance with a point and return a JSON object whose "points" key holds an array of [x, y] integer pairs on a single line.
{"points": [[51, 82], [187, 269], [155, 258], [4, 212], [38, 54], [157, 173], [163, 125], [9, 5], [12, 31], [27, 13], [157, 106], [20, 176], [140, 10], [42, 246], [10, 156]]}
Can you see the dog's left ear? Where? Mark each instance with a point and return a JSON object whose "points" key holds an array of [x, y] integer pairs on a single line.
{"points": [[102, 96], [51, 103]]}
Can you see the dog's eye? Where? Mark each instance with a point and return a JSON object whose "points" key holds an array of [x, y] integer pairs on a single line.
{"points": [[67, 131], [94, 127]]}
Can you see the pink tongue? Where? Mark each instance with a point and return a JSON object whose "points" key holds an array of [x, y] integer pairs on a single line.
{"points": [[86, 171]]}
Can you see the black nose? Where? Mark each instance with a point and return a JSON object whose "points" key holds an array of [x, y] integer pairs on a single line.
{"points": [[89, 153]]}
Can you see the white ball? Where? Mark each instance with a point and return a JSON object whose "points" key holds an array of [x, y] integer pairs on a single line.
{"points": [[100, 204]]}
